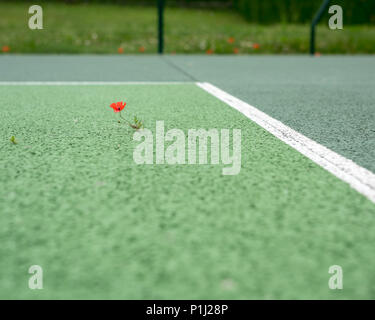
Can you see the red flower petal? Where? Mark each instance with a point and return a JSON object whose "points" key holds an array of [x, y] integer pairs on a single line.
{"points": [[122, 105]]}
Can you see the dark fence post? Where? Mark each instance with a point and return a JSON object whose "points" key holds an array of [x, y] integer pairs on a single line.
{"points": [[161, 26], [315, 21]]}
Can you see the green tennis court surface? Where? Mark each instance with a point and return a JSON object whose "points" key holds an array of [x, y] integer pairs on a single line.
{"points": [[329, 99], [74, 202]]}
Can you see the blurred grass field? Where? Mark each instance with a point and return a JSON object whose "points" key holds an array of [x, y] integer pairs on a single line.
{"points": [[128, 30]]}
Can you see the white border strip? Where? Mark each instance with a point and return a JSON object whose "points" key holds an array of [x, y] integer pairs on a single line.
{"points": [[357, 177], [87, 83]]}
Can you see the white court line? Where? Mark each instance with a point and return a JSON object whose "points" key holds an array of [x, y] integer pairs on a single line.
{"points": [[87, 83], [357, 177]]}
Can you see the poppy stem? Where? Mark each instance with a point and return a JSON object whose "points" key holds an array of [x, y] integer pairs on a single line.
{"points": [[125, 120]]}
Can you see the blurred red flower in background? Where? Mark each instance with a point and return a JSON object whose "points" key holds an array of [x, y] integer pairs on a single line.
{"points": [[231, 40], [256, 46], [5, 49]]}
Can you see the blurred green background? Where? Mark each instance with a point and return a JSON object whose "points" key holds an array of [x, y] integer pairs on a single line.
{"points": [[191, 26]]}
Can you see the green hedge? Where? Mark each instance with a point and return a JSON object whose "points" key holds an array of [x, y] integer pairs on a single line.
{"points": [[302, 11], [264, 11], [186, 3]]}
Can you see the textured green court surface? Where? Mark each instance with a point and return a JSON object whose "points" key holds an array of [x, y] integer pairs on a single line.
{"points": [[74, 202], [328, 99]]}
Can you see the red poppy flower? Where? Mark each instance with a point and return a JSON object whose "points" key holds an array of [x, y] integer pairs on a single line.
{"points": [[5, 49], [118, 106], [256, 46]]}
